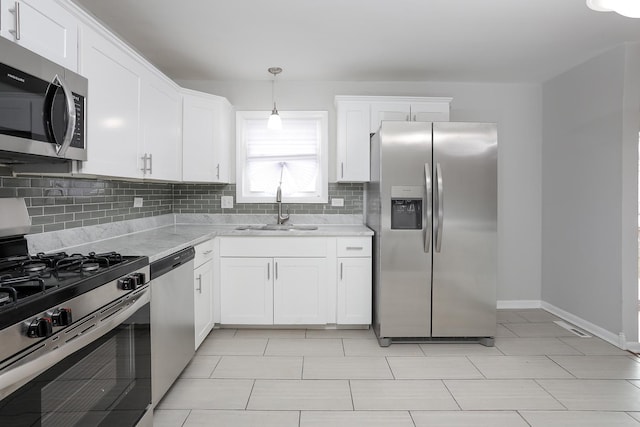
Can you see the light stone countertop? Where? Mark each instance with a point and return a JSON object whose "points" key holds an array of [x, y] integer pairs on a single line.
{"points": [[160, 242]]}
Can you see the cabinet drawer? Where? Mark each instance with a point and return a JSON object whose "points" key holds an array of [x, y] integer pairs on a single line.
{"points": [[204, 252], [354, 246], [273, 247]]}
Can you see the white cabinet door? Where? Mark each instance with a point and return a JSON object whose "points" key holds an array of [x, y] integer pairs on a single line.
{"points": [[430, 111], [42, 26], [162, 139], [354, 291], [300, 291], [206, 138], [246, 291], [396, 111], [353, 121], [113, 108], [203, 299]]}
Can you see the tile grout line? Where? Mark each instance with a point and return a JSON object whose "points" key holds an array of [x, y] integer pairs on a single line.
{"points": [[476, 367], [216, 365], [353, 406], [550, 394], [412, 420], [562, 367], [186, 418], [246, 406], [522, 416], [386, 358], [444, 383]]}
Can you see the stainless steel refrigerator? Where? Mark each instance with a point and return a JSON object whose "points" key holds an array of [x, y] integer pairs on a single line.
{"points": [[432, 202]]}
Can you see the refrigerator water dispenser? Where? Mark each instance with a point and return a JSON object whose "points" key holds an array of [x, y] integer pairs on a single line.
{"points": [[406, 214]]}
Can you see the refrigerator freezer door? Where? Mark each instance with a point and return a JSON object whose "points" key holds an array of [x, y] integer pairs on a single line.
{"points": [[464, 266], [404, 282]]}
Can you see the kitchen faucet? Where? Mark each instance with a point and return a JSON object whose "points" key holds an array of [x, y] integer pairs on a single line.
{"points": [[281, 218]]}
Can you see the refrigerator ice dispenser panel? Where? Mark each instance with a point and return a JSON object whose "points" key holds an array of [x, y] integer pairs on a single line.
{"points": [[406, 214]]}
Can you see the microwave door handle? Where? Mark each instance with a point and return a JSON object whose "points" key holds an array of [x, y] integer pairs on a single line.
{"points": [[61, 149]]}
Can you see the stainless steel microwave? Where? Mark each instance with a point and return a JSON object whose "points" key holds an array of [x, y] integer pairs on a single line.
{"points": [[42, 109]]}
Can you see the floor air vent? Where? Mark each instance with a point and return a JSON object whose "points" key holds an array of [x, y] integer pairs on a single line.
{"points": [[572, 329]]}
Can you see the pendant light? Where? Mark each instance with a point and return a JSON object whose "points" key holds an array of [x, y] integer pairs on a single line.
{"points": [[628, 8], [275, 122]]}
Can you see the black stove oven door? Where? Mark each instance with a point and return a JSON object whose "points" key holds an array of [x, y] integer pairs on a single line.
{"points": [[105, 383]]}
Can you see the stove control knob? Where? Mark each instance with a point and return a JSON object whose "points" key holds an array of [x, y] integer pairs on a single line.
{"points": [[61, 317], [40, 328], [129, 283], [141, 278]]}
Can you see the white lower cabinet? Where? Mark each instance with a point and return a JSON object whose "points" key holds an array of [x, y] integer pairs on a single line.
{"points": [[246, 291], [354, 291], [300, 291], [294, 280], [203, 291], [203, 299]]}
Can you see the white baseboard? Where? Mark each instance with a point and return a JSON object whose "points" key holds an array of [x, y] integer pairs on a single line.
{"points": [[619, 340], [518, 304]]}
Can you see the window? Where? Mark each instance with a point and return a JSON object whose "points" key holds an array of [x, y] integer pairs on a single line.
{"points": [[294, 158]]}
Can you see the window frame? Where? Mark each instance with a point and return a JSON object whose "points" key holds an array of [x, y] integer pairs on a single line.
{"points": [[321, 194]]}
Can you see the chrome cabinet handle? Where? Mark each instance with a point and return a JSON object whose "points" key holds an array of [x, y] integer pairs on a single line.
{"points": [[354, 248], [341, 264], [428, 226], [218, 171], [276, 271], [341, 169], [61, 148], [269, 271], [16, 12], [440, 205], [150, 164], [199, 279], [144, 163], [207, 252]]}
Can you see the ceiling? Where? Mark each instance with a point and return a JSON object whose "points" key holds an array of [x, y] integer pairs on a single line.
{"points": [[365, 40]]}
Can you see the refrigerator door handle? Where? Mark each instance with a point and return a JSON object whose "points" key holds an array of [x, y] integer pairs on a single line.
{"points": [[428, 212], [440, 207]]}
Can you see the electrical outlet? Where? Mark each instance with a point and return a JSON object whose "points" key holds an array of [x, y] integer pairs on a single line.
{"points": [[137, 202], [226, 202], [337, 202]]}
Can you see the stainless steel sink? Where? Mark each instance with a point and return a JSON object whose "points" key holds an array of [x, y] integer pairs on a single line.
{"points": [[277, 227]]}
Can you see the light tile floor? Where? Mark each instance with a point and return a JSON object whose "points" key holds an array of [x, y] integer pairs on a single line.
{"points": [[538, 374]]}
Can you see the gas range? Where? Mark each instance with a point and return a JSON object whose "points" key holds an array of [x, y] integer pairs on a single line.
{"points": [[44, 297], [30, 284], [75, 332]]}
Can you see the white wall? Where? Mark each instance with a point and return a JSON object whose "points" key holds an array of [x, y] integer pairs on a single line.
{"points": [[515, 107], [591, 115]]}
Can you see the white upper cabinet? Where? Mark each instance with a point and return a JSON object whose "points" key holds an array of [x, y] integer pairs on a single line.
{"points": [[113, 107], [416, 109], [206, 138], [133, 114], [359, 116], [41, 26], [161, 125], [353, 120]]}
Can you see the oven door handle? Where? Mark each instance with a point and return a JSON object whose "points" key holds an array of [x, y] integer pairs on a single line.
{"points": [[15, 377]]}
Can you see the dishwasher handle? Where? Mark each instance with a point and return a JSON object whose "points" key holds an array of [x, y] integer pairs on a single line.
{"points": [[171, 262]]}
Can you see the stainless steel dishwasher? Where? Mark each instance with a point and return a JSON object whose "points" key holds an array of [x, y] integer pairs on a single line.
{"points": [[172, 319]]}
